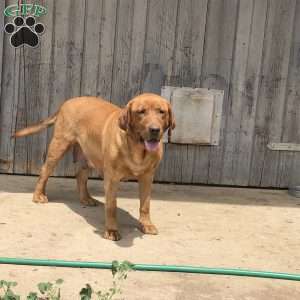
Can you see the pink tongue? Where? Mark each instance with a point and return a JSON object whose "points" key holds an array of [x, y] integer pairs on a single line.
{"points": [[151, 146]]}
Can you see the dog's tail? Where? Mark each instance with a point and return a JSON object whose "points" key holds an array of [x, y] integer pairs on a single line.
{"points": [[36, 128]]}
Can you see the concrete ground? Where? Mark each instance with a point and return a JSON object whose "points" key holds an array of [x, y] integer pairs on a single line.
{"points": [[200, 226]]}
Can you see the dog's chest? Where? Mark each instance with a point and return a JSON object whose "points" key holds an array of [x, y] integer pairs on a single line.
{"points": [[137, 165]]}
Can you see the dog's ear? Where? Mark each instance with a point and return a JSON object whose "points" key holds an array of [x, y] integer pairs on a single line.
{"points": [[124, 118], [171, 124]]}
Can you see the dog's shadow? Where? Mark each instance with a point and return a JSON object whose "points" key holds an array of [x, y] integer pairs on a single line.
{"points": [[94, 215]]}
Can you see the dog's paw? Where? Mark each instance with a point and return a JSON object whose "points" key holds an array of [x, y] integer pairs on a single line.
{"points": [[39, 198], [112, 235], [24, 31], [149, 228], [89, 201]]}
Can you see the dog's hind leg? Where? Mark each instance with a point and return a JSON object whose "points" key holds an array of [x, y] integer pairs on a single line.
{"points": [[82, 175], [57, 147]]}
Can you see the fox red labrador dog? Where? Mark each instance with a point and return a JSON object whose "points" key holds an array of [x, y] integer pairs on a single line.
{"points": [[119, 143]]}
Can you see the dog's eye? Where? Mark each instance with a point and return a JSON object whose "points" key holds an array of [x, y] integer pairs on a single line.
{"points": [[162, 112], [141, 111]]}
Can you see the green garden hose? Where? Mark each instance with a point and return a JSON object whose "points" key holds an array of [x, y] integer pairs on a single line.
{"points": [[148, 267]]}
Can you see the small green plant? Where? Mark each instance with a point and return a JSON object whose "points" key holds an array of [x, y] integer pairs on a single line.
{"points": [[51, 291], [6, 292], [119, 272], [48, 291]]}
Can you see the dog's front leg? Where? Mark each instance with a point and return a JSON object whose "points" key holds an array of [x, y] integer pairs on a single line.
{"points": [[145, 184], [111, 227]]}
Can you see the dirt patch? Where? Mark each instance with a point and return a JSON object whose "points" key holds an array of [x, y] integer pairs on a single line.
{"points": [[204, 226]]}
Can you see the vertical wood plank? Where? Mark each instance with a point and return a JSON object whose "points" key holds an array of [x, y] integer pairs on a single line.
{"points": [[9, 97], [91, 50], [122, 52], [75, 47], [152, 70], [249, 94], [216, 70], [34, 98], [39, 97], [135, 74], [197, 154], [271, 99], [190, 32], [242, 104], [288, 168], [21, 145], [181, 73], [67, 60], [235, 102], [166, 53], [107, 48], [168, 31], [59, 64], [154, 76], [91, 61], [186, 71]]}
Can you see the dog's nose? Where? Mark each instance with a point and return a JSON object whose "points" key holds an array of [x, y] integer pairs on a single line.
{"points": [[154, 131]]}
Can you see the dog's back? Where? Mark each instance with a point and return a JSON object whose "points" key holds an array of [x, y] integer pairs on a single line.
{"points": [[73, 113]]}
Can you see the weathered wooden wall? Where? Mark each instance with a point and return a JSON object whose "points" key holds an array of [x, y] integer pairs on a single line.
{"points": [[119, 48]]}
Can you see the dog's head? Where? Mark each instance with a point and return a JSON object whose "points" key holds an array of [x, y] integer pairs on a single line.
{"points": [[147, 117]]}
